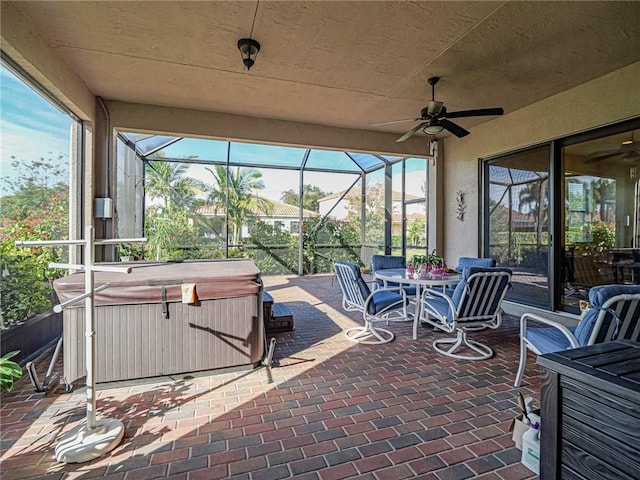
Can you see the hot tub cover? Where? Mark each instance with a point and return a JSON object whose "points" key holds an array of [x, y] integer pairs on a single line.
{"points": [[160, 283]]}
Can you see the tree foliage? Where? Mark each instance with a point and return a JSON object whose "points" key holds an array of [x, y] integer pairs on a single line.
{"points": [[237, 191], [168, 182], [311, 195], [35, 208], [327, 240], [416, 232], [274, 250], [170, 237]]}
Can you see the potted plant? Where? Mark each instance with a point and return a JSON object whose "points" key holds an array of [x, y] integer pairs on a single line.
{"points": [[437, 264], [417, 266], [421, 266], [9, 370], [130, 251]]}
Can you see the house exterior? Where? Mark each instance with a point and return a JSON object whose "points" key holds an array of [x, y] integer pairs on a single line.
{"points": [[283, 216]]}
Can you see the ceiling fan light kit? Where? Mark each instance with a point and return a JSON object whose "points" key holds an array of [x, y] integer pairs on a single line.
{"points": [[434, 117], [249, 49], [432, 129]]}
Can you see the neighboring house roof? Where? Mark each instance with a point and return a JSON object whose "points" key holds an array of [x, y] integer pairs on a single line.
{"points": [[395, 196], [280, 209], [521, 221]]}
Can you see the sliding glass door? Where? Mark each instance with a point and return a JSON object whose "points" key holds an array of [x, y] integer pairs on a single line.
{"points": [[601, 188], [565, 216]]}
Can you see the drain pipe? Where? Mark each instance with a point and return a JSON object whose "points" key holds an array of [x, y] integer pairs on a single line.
{"points": [[106, 173]]}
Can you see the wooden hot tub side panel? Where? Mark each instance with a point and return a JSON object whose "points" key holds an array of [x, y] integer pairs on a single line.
{"points": [[136, 341]]}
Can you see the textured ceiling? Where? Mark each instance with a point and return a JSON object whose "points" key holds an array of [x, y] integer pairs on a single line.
{"points": [[346, 64]]}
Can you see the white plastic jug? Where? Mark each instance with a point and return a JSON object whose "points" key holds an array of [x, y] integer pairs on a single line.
{"points": [[531, 448]]}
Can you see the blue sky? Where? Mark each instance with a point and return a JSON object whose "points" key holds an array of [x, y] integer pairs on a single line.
{"points": [[30, 127]]}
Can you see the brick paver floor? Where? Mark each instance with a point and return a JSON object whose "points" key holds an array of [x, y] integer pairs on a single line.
{"points": [[327, 409]]}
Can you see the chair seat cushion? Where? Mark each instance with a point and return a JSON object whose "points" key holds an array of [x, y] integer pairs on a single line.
{"points": [[382, 300], [548, 340], [441, 306]]}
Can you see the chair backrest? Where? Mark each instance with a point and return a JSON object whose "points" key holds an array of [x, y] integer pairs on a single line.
{"points": [[479, 294], [354, 289], [614, 315], [464, 262], [381, 262]]}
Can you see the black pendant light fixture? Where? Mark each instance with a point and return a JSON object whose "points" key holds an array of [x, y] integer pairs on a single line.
{"points": [[249, 49]]}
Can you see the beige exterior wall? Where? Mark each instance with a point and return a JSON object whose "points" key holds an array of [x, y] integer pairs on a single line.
{"points": [[178, 121], [605, 100]]}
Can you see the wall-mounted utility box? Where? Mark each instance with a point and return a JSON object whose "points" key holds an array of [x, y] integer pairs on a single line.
{"points": [[102, 208]]}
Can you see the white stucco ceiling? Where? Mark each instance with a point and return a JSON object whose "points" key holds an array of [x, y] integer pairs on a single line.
{"points": [[345, 64]]}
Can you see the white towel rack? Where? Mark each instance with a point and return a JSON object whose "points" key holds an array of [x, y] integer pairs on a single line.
{"points": [[96, 437]]}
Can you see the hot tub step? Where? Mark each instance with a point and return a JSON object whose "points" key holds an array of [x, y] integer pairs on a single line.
{"points": [[281, 318], [267, 303]]}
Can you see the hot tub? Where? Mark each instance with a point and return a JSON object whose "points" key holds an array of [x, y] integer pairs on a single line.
{"points": [[144, 330]]}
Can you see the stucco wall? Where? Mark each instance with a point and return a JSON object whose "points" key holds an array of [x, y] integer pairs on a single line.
{"points": [[605, 100], [180, 121]]}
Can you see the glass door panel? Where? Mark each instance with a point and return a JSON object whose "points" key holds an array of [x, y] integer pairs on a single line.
{"points": [[518, 222], [600, 217]]}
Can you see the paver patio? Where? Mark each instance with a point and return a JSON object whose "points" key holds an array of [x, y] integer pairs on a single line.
{"points": [[328, 409]]}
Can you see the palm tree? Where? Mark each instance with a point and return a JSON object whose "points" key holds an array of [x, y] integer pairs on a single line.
{"points": [[167, 181], [604, 195], [234, 192]]}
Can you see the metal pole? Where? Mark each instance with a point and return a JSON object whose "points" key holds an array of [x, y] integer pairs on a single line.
{"points": [[89, 328]]}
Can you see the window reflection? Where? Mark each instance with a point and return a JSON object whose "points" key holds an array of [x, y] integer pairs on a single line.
{"points": [[518, 233], [601, 200]]}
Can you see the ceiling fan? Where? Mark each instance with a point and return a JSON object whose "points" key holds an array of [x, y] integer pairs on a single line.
{"points": [[434, 117], [628, 151]]}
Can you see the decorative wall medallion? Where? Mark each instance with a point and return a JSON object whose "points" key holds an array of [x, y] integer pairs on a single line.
{"points": [[461, 207]]}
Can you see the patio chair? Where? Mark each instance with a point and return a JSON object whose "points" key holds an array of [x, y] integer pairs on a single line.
{"points": [[464, 262], [378, 306], [475, 304], [614, 315], [384, 262]]}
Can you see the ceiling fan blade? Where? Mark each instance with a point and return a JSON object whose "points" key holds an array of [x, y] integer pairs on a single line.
{"points": [[411, 132], [396, 121], [608, 154], [454, 128], [480, 112]]}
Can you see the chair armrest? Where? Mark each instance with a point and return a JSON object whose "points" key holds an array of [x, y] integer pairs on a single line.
{"points": [[527, 317]]}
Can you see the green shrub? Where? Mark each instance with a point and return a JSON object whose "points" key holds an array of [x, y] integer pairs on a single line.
{"points": [[8, 371], [23, 290]]}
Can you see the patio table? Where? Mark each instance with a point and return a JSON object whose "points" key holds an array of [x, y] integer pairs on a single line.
{"points": [[399, 275]]}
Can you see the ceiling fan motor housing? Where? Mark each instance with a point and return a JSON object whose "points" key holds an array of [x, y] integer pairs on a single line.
{"points": [[435, 117]]}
